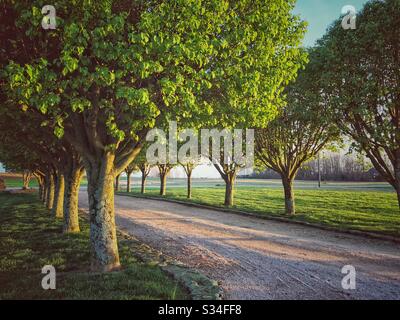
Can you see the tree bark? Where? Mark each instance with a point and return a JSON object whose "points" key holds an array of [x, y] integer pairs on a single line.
{"points": [[71, 196], [189, 184], [229, 190], [163, 185], [128, 181], [26, 178], [45, 189], [289, 195], [58, 206], [50, 192], [103, 237], [143, 186], [117, 183], [40, 190], [40, 181]]}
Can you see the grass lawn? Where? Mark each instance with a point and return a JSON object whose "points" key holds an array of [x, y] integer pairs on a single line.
{"points": [[373, 211], [16, 182], [30, 238]]}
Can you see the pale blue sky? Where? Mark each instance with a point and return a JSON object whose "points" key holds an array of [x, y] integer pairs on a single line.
{"points": [[321, 13]]}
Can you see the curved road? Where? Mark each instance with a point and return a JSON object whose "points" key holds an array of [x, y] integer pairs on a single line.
{"points": [[260, 259]]}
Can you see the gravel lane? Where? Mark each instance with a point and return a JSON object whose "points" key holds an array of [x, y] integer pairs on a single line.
{"points": [[254, 258]]}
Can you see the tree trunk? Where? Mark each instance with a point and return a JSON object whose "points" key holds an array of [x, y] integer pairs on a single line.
{"points": [[71, 196], [289, 195], [58, 206], [50, 192], [26, 178], [128, 182], [103, 237], [41, 186], [45, 189], [229, 191], [117, 183], [143, 186], [189, 185], [163, 185], [40, 190], [397, 180]]}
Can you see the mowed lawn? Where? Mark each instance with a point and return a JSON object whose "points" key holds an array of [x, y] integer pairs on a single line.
{"points": [[31, 238], [373, 211]]}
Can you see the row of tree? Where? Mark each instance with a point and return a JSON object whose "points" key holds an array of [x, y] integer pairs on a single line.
{"points": [[84, 96]]}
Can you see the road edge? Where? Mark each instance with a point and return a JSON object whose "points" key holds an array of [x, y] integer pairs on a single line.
{"points": [[199, 286]]}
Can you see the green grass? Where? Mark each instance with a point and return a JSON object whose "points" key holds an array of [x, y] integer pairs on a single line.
{"points": [[30, 238], [17, 182], [373, 211]]}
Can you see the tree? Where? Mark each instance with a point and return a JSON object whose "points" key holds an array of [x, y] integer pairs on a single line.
{"points": [[26, 178], [189, 166], [229, 156], [113, 70], [129, 170], [164, 170], [302, 129], [144, 167], [360, 72], [188, 156]]}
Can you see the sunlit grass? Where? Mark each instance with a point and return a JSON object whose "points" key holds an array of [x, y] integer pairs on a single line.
{"points": [[31, 238]]}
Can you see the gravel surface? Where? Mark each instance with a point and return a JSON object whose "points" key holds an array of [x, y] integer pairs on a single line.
{"points": [[260, 259]]}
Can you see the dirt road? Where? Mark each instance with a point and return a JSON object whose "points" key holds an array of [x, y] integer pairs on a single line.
{"points": [[260, 259]]}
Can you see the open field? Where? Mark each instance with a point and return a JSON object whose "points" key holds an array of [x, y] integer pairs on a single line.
{"points": [[154, 183], [15, 180], [31, 238], [360, 206]]}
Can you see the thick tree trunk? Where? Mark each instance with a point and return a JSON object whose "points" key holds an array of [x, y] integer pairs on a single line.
{"points": [[289, 195], [71, 196], [50, 192], [143, 186], [163, 185], [229, 191], [58, 206], [128, 182], [117, 183], [189, 185], [103, 235]]}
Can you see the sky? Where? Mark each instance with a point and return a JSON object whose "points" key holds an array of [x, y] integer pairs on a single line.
{"points": [[320, 14]]}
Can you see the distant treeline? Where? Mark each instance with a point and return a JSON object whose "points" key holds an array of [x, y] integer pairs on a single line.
{"points": [[334, 167]]}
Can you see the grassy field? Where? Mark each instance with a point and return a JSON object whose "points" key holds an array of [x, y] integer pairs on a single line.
{"points": [[362, 206], [30, 238], [342, 207]]}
